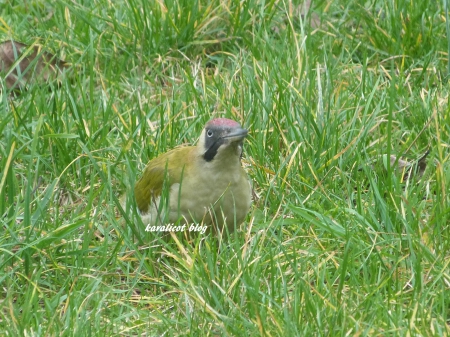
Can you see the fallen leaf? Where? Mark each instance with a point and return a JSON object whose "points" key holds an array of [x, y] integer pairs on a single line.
{"points": [[305, 11], [21, 64], [408, 168]]}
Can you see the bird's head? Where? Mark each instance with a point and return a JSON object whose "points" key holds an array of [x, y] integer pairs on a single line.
{"points": [[221, 138]]}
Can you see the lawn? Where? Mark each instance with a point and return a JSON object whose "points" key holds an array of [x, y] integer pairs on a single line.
{"points": [[339, 241]]}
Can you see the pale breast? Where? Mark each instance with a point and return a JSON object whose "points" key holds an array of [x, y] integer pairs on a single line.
{"points": [[219, 196], [213, 198]]}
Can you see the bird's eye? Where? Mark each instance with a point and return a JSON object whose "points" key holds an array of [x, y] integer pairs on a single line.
{"points": [[209, 133]]}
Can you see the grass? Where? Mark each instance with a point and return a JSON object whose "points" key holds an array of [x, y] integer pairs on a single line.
{"points": [[336, 243]]}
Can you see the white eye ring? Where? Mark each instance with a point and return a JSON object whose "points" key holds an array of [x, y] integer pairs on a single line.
{"points": [[209, 133]]}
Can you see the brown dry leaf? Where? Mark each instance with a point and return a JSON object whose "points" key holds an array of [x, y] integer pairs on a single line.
{"points": [[409, 168], [21, 64], [305, 10], [298, 12]]}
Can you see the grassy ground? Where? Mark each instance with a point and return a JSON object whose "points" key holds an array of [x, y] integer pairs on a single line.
{"points": [[336, 243]]}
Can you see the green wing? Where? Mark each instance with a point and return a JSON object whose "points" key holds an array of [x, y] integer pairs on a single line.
{"points": [[169, 165]]}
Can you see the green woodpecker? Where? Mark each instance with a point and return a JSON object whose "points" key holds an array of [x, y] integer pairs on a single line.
{"points": [[206, 183]]}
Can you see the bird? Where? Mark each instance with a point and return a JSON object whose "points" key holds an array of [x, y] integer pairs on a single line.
{"points": [[204, 184]]}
